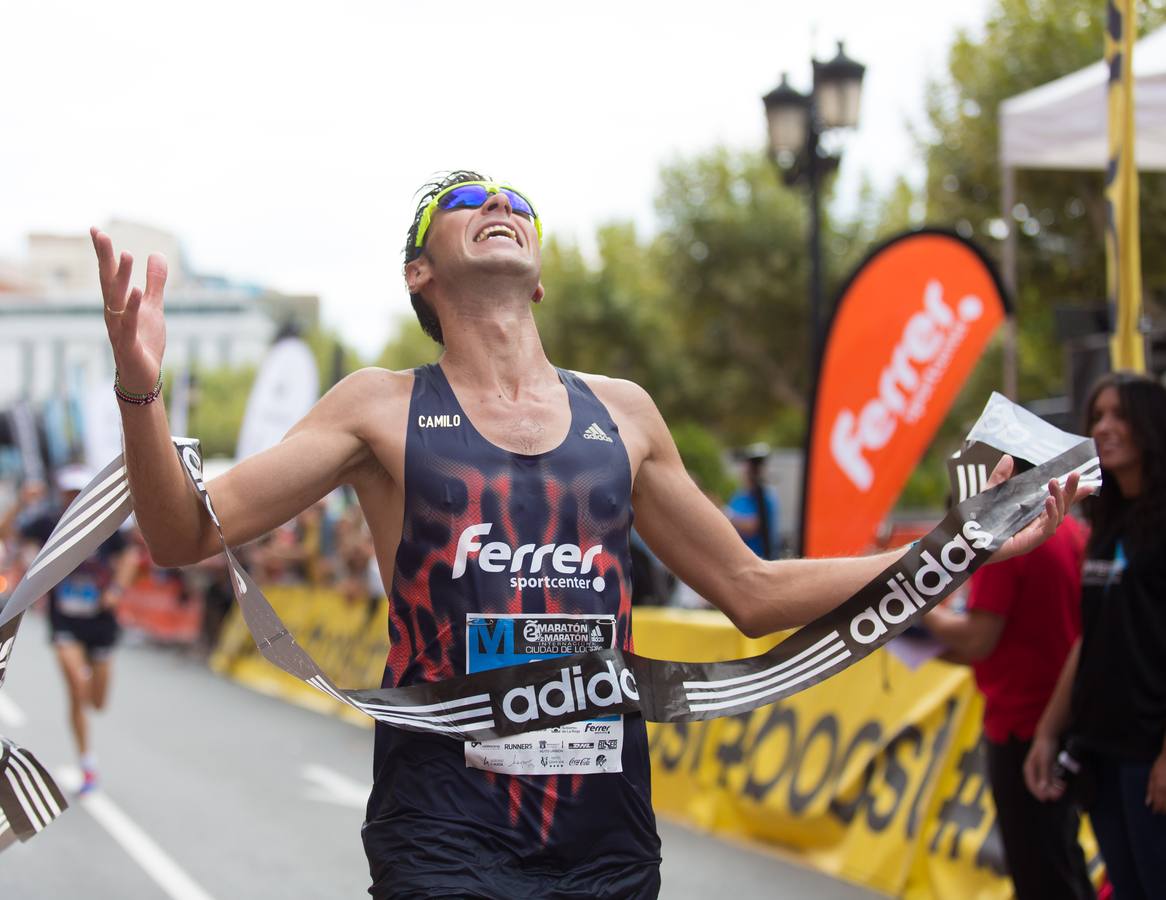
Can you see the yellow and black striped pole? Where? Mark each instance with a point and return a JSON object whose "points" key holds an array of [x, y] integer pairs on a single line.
{"points": [[1123, 252]]}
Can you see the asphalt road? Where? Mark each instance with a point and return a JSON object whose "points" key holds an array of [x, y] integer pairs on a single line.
{"points": [[210, 790]]}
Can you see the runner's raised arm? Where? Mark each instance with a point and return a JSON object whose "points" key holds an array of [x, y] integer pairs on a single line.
{"points": [[259, 494]]}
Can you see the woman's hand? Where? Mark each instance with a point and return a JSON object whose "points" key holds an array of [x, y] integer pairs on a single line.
{"points": [[1043, 526], [1156, 787], [1038, 769]]}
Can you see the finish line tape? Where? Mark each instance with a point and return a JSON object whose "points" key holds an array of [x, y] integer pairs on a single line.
{"points": [[551, 692]]}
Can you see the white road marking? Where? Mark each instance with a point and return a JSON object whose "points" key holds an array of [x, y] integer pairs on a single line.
{"points": [[11, 715], [168, 875], [332, 787]]}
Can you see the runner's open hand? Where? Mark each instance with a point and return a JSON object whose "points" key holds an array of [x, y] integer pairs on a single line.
{"points": [[1042, 528], [137, 331]]}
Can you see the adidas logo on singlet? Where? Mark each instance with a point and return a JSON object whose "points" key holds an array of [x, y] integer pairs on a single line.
{"points": [[595, 433]]}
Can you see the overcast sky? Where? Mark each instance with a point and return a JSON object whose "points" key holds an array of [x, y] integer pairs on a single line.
{"points": [[283, 142]]}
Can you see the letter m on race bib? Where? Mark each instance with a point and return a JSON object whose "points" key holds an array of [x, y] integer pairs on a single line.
{"points": [[490, 644]]}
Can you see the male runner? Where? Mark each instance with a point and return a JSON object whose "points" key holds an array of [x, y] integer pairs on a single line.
{"points": [[82, 625], [499, 492]]}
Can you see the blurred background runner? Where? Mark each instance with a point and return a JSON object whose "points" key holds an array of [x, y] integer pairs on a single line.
{"points": [[83, 624]]}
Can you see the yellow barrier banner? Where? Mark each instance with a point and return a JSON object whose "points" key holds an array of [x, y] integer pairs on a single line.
{"points": [[349, 639], [961, 853], [842, 773], [876, 776]]}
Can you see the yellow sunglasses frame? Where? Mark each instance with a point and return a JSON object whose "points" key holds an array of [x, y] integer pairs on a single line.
{"points": [[492, 187]]}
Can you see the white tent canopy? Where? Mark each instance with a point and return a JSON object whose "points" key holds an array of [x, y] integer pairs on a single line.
{"points": [[1063, 124]]}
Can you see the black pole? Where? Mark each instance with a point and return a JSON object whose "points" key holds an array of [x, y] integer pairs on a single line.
{"points": [[813, 177]]}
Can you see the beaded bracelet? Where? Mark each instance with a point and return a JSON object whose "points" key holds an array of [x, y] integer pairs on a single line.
{"points": [[136, 399]]}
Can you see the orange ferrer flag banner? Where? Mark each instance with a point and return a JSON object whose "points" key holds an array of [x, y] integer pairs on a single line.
{"points": [[909, 328]]}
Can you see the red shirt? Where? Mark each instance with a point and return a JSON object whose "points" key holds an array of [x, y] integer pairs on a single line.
{"points": [[1039, 597]]}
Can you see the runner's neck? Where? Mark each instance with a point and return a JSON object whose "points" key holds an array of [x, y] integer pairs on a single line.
{"points": [[499, 354]]}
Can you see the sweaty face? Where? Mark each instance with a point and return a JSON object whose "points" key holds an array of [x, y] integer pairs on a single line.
{"points": [[1111, 432], [493, 234]]}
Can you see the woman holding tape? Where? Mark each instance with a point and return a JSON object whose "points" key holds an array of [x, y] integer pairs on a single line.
{"points": [[1110, 700], [499, 493]]}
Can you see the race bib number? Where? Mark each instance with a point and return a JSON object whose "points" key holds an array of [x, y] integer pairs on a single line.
{"points": [[78, 597], [584, 748]]}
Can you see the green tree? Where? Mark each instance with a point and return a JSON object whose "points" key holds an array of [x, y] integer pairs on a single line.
{"points": [[409, 347], [611, 317], [879, 217], [1060, 215], [220, 395], [217, 407], [703, 457], [334, 359], [733, 240]]}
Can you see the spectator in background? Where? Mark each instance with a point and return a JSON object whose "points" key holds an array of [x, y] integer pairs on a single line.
{"points": [[315, 530], [354, 552], [1110, 700], [1022, 618], [211, 580], [754, 510], [652, 583], [281, 557], [31, 501], [83, 627]]}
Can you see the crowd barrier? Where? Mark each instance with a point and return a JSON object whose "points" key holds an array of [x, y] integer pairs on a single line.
{"points": [[876, 776], [349, 639], [154, 606]]}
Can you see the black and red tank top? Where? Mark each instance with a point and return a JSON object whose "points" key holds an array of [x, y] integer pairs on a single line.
{"points": [[506, 557]]}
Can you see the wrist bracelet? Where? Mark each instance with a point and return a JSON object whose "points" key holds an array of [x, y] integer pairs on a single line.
{"points": [[136, 399]]}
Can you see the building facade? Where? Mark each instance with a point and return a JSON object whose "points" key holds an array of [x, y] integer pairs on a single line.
{"points": [[52, 330]]}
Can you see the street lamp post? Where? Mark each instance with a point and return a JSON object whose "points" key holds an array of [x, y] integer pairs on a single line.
{"points": [[796, 123]]}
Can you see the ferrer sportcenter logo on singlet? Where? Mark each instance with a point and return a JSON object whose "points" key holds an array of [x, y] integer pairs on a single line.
{"points": [[570, 562]]}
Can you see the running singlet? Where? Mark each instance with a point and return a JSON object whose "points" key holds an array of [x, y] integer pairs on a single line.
{"points": [[75, 609], [504, 557]]}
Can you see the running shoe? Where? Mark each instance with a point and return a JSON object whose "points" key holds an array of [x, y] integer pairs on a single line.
{"points": [[88, 782]]}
